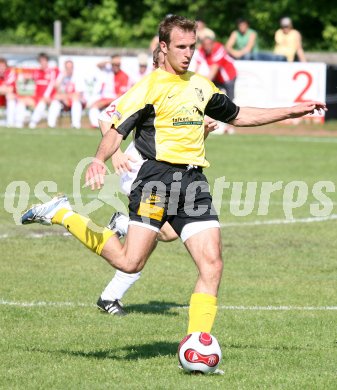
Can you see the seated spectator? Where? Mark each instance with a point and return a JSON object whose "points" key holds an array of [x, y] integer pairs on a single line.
{"points": [[44, 79], [7, 91], [68, 97], [242, 43], [112, 83], [288, 41]]}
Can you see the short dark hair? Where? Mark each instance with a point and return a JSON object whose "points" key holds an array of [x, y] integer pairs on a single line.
{"points": [[116, 55], [167, 24], [242, 20], [43, 55]]}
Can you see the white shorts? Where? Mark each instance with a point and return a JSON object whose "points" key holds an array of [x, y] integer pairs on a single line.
{"points": [[128, 178]]}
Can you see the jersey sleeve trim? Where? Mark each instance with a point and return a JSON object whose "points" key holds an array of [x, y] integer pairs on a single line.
{"points": [[221, 108]]}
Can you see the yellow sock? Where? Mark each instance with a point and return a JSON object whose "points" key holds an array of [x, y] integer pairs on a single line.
{"points": [[83, 229], [202, 313]]}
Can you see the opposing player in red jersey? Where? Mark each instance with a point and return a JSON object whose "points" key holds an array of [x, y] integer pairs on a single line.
{"points": [[69, 96], [113, 83], [44, 78], [7, 91]]}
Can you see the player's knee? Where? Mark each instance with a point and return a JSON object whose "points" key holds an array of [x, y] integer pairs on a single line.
{"points": [[214, 262], [134, 265]]}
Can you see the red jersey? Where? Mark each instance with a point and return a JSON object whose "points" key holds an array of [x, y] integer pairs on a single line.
{"points": [[112, 85], [220, 57], [44, 82], [122, 83], [8, 79]]}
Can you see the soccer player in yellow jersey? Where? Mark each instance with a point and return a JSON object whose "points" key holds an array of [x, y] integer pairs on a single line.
{"points": [[167, 109]]}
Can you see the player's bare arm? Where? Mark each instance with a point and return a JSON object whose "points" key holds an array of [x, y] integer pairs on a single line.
{"points": [[252, 116], [120, 160], [107, 147]]}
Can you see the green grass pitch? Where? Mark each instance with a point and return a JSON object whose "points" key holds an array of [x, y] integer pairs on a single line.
{"points": [[274, 323]]}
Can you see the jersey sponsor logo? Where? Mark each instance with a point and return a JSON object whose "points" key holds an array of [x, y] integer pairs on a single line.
{"points": [[187, 116]]}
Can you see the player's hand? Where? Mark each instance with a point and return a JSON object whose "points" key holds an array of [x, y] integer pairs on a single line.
{"points": [[121, 162], [94, 176], [210, 125], [308, 108]]}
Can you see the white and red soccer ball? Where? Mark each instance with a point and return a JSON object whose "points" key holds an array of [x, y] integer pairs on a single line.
{"points": [[199, 352]]}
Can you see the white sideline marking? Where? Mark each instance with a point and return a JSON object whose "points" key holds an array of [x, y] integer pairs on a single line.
{"points": [[280, 221], [224, 225], [240, 308], [48, 304]]}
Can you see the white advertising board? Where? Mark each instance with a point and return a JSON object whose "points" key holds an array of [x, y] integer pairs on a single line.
{"points": [[279, 84]]}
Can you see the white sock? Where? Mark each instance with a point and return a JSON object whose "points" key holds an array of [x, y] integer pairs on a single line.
{"points": [[93, 116], [119, 285], [20, 113], [38, 113], [76, 114], [10, 112], [122, 224], [54, 112]]}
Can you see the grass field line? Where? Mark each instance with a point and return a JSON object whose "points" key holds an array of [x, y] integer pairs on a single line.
{"points": [[51, 233], [5, 302], [280, 221]]}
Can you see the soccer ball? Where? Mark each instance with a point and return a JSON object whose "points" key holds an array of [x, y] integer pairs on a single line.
{"points": [[199, 352]]}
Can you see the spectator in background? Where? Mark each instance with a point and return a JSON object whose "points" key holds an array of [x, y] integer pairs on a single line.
{"points": [[68, 96], [288, 41], [7, 91], [142, 68], [242, 43], [222, 70], [202, 31], [44, 79], [112, 83], [154, 43], [221, 66]]}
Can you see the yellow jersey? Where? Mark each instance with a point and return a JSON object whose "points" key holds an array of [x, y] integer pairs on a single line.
{"points": [[167, 112]]}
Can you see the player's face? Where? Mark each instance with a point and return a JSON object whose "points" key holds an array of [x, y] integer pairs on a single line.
{"points": [[179, 52]]}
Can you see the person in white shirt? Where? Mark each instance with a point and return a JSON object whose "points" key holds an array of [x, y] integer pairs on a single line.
{"points": [[69, 97]]}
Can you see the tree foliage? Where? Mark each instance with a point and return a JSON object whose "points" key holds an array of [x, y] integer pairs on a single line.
{"points": [[133, 23]]}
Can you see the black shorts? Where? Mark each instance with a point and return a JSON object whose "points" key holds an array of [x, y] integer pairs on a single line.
{"points": [[178, 194]]}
